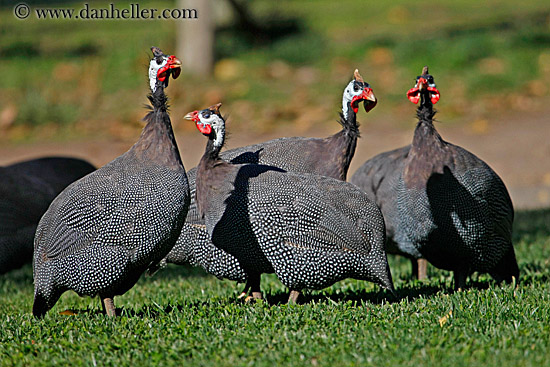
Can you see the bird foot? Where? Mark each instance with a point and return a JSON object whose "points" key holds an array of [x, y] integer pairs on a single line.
{"points": [[293, 297], [108, 306]]}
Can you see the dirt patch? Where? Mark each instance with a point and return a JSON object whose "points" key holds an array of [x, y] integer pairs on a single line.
{"points": [[516, 146]]}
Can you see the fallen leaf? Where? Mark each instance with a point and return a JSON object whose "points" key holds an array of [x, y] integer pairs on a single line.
{"points": [[443, 320]]}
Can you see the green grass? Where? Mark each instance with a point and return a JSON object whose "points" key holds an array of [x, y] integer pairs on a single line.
{"points": [[183, 317], [93, 72]]}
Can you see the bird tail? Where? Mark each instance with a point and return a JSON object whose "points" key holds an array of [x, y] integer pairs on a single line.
{"points": [[40, 305], [507, 268], [387, 281]]}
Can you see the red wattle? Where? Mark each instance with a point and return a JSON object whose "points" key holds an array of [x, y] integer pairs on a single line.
{"points": [[176, 72], [413, 95], [434, 94], [161, 74], [206, 129], [355, 103]]}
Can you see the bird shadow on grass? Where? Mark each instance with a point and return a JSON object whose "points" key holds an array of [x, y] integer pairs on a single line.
{"points": [[355, 296], [534, 273], [20, 277], [177, 272], [531, 223], [149, 310]]}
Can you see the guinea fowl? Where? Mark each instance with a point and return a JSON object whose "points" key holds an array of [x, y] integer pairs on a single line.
{"points": [[329, 156], [310, 230], [26, 190], [103, 231], [441, 202]]}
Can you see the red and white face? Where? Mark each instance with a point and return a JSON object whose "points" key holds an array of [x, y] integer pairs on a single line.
{"points": [[207, 119], [201, 120], [423, 82], [161, 67], [208, 122], [358, 91]]}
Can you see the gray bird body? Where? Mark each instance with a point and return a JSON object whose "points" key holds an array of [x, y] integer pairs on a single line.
{"points": [[104, 230], [323, 156], [26, 190], [329, 157], [310, 230], [442, 203], [377, 177]]}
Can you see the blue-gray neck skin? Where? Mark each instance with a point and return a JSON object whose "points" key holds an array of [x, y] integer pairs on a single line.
{"points": [[425, 128]]}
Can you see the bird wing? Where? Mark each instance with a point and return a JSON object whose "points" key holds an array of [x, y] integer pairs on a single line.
{"points": [[82, 212], [487, 187], [376, 174], [71, 222], [293, 207]]}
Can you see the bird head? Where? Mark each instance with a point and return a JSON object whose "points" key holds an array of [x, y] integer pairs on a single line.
{"points": [[424, 84], [209, 121], [355, 92], [161, 67]]}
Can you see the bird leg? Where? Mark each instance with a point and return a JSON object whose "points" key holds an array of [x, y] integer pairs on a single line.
{"points": [[252, 284], [293, 297], [245, 291], [108, 306], [419, 268], [460, 280], [422, 265], [254, 281]]}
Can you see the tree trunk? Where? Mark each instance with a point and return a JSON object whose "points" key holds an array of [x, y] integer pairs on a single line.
{"points": [[195, 37]]}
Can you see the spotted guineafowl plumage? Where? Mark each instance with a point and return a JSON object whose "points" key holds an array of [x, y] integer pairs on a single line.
{"points": [[440, 201], [26, 190], [102, 232], [329, 156], [310, 230]]}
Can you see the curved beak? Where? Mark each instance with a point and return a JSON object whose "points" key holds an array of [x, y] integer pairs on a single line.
{"points": [[422, 83], [204, 128], [414, 93], [174, 62], [175, 65], [370, 99], [192, 116]]}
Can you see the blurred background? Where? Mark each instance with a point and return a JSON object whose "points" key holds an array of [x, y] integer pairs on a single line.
{"points": [[78, 87]]}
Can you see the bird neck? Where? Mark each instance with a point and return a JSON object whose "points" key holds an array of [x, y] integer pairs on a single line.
{"points": [[425, 132], [348, 118], [216, 140], [211, 173], [429, 152], [158, 98], [346, 107], [212, 151], [157, 142], [342, 145], [211, 157]]}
